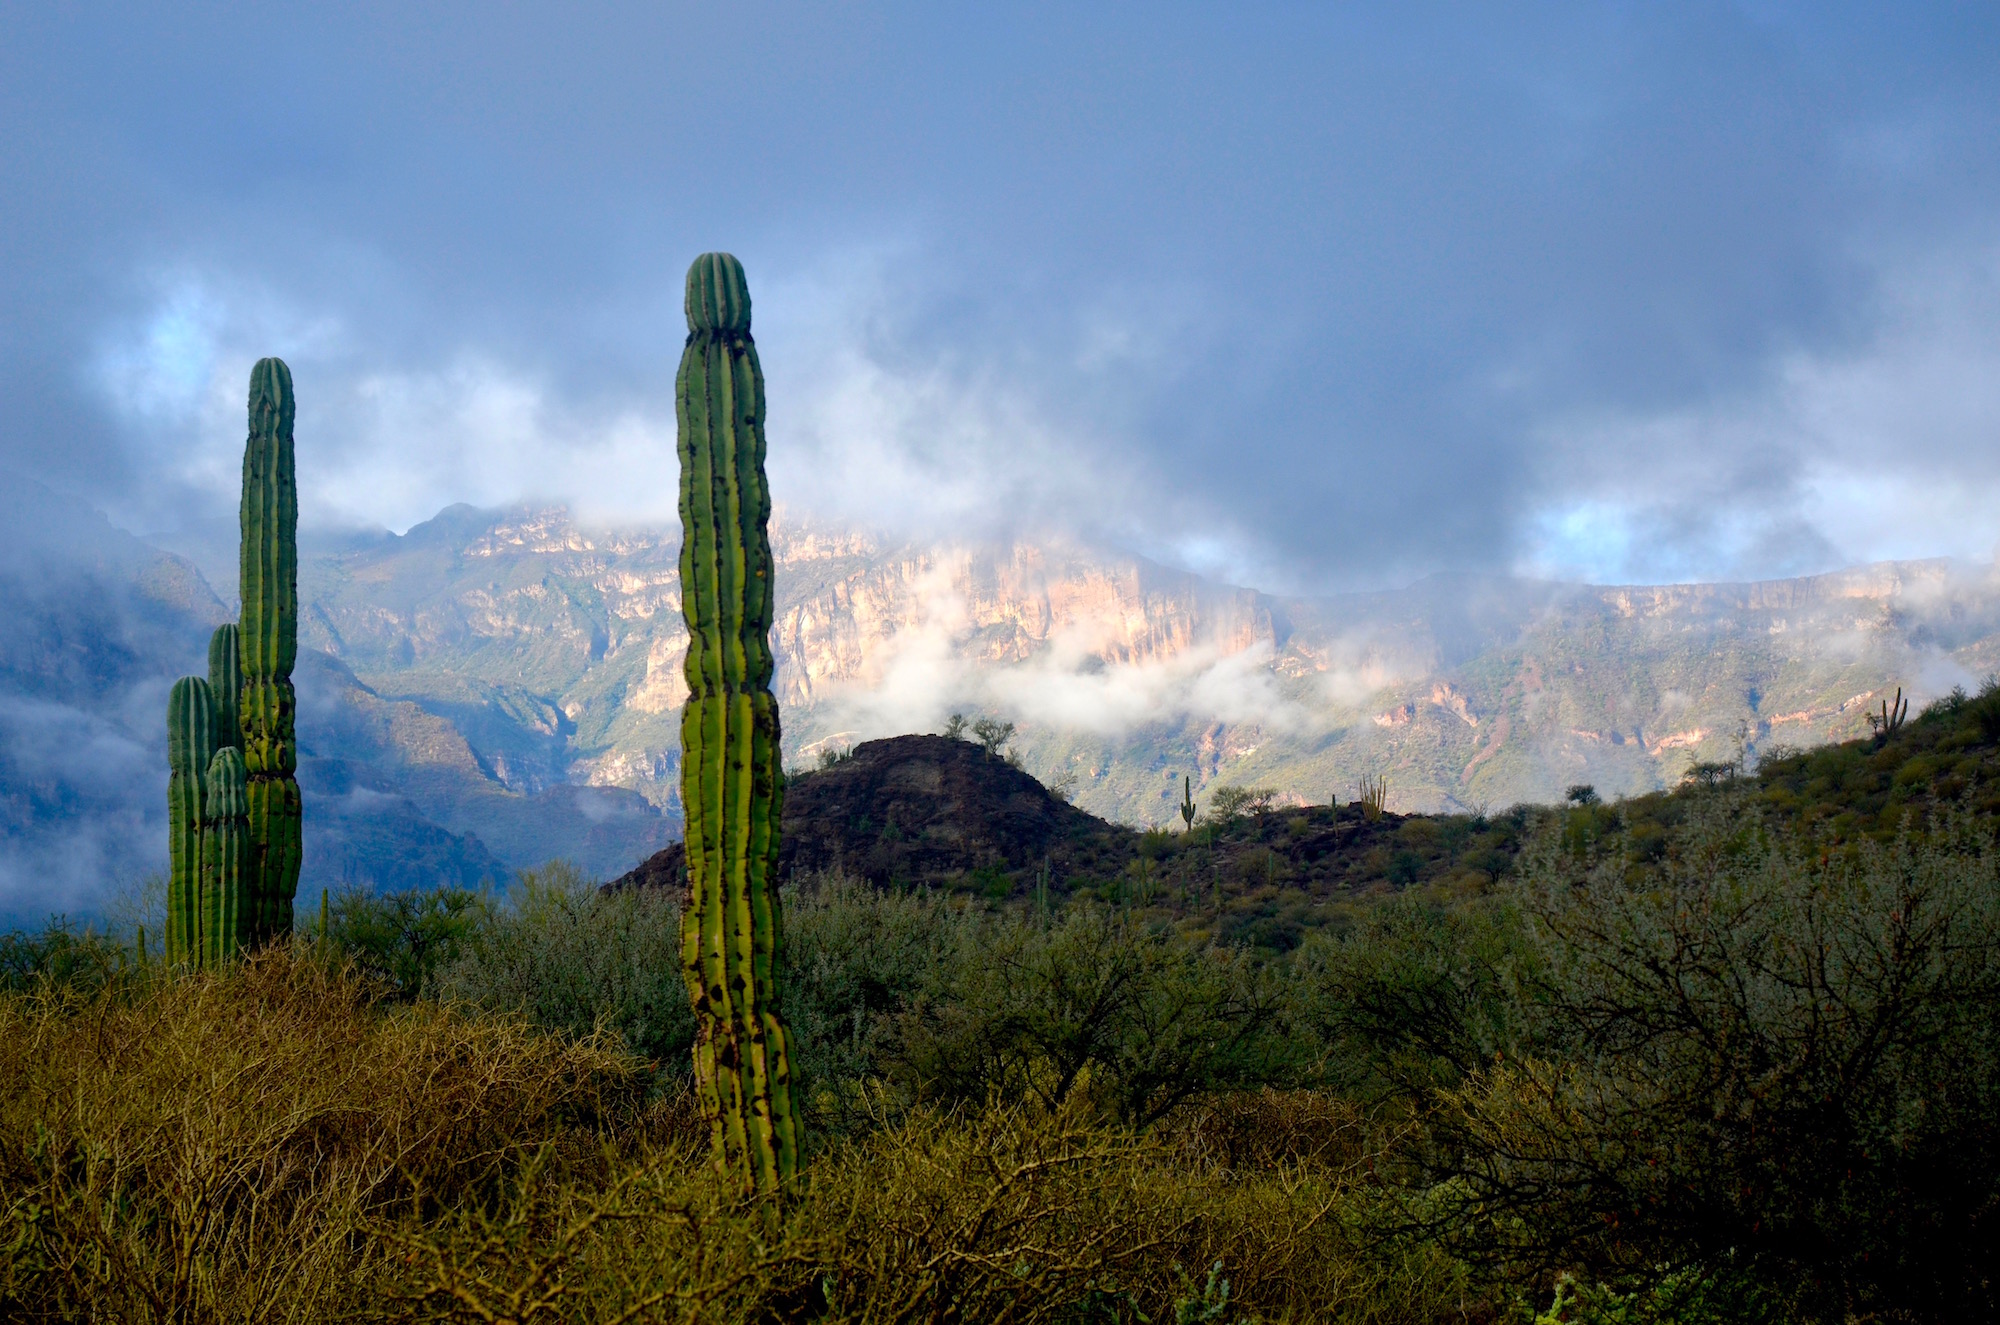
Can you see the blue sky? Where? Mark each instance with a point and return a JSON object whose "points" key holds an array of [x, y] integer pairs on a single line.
{"points": [[1310, 296]]}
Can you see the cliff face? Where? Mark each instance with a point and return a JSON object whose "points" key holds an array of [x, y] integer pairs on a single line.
{"points": [[494, 689], [559, 651], [556, 652]]}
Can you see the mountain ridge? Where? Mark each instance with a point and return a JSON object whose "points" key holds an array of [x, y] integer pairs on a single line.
{"points": [[1121, 672], [493, 688]]}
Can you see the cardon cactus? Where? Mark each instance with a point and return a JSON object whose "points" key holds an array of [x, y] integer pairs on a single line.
{"points": [[731, 785], [268, 644], [190, 747], [225, 859], [225, 684]]}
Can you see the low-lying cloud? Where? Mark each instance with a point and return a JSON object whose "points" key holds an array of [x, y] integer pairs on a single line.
{"points": [[934, 666]]}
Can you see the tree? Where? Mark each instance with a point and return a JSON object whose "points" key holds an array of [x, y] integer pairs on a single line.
{"points": [[993, 735]]}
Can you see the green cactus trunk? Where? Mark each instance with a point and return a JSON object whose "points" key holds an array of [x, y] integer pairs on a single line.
{"points": [[731, 784], [225, 684], [190, 747], [269, 643], [225, 860]]}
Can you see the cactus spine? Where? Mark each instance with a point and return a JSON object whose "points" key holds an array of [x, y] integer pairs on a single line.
{"points": [[268, 644], [730, 773], [190, 747]]}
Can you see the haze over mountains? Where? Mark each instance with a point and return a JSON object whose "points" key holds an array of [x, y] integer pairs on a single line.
{"points": [[494, 688]]}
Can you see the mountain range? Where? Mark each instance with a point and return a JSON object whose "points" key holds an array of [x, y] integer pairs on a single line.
{"points": [[495, 688]]}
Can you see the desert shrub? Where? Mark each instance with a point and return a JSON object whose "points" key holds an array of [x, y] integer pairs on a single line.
{"points": [[60, 954], [1227, 804], [993, 735], [1411, 997], [574, 959], [401, 939], [203, 1147], [1762, 1057], [1134, 1018], [276, 1142], [1004, 1213], [856, 960]]}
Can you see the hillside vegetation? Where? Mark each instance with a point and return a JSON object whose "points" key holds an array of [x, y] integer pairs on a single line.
{"points": [[1730, 1053]]}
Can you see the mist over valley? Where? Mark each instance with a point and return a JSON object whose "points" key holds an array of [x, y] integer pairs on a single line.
{"points": [[494, 689]]}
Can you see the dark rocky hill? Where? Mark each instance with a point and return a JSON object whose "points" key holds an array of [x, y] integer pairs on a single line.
{"points": [[926, 810], [934, 812]]}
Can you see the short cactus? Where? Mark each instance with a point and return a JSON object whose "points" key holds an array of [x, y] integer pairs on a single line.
{"points": [[731, 784], [190, 747], [225, 859], [269, 643], [225, 684]]}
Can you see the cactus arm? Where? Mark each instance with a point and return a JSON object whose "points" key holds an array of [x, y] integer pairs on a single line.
{"points": [[226, 891], [730, 769], [225, 683], [190, 747]]}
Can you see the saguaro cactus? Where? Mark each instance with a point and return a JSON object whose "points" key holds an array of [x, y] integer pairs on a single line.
{"points": [[731, 784], [269, 644], [190, 747], [225, 858]]}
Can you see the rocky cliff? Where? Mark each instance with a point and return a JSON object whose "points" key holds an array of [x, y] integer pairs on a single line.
{"points": [[556, 652], [495, 688]]}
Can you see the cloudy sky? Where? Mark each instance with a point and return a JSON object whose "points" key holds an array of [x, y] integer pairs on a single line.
{"points": [[1310, 296]]}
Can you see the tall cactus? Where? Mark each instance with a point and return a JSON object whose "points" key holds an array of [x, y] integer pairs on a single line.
{"points": [[269, 644], [731, 784], [190, 747], [225, 859]]}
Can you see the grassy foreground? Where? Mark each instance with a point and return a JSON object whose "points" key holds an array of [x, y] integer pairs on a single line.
{"points": [[1730, 1054], [273, 1144]]}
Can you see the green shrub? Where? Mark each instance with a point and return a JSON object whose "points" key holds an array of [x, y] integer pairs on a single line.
{"points": [[1766, 1057], [402, 938], [1137, 1019], [857, 960], [60, 955], [1413, 996], [574, 959]]}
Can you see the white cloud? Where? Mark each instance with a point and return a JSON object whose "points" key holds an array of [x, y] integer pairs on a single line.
{"points": [[931, 667], [870, 422], [1881, 452]]}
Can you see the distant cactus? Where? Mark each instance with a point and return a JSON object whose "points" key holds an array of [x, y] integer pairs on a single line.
{"points": [[1187, 804], [731, 784], [269, 643], [1373, 793], [190, 747], [1890, 720]]}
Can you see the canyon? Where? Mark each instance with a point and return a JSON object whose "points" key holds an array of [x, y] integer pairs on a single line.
{"points": [[492, 689]]}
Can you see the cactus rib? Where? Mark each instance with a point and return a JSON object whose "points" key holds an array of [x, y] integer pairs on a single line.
{"points": [[190, 747], [731, 783], [268, 647]]}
